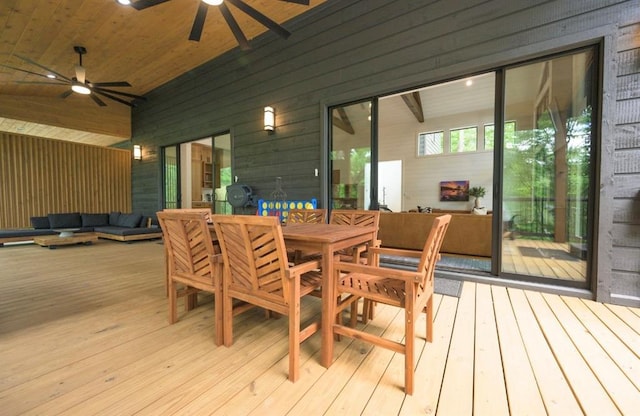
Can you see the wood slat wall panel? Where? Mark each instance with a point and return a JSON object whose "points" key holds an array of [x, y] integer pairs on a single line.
{"points": [[40, 176]]}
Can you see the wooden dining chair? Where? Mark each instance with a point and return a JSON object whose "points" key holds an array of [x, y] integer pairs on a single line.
{"points": [[192, 299], [304, 216], [192, 264], [355, 217], [410, 290], [314, 216], [357, 254], [257, 271]]}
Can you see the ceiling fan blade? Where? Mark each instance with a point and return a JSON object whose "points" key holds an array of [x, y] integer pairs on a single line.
{"points": [[261, 18], [143, 4], [303, 2], [98, 100], [235, 28], [42, 82], [112, 97], [125, 94], [66, 94], [110, 84], [43, 67], [24, 70], [198, 22]]}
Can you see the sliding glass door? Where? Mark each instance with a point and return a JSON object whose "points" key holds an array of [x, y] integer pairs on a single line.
{"points": [[350, 156], [547, 167], [515, 145]]}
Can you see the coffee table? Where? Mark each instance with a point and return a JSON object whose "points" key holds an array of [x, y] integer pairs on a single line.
{"points": [[65, 238]]}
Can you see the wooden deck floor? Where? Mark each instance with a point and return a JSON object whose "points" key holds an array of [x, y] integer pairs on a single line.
{"points": [[83, 331]]}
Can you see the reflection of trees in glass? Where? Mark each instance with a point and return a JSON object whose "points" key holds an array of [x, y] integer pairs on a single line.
{"points": [[489, 133], [358, 161], [225, 176], [530, 171]]}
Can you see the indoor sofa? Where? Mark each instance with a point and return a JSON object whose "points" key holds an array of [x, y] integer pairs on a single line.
{"points": [[114, 226], [467, 235]]}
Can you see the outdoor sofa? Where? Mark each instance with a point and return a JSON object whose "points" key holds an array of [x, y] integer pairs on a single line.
{"points": [[114, 226]]}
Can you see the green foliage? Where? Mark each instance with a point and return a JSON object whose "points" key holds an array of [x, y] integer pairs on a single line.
{"points": [[477, 191]]}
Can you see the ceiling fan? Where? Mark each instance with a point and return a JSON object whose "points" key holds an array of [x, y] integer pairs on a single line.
{"points": [[79, 83], [203, 8]]}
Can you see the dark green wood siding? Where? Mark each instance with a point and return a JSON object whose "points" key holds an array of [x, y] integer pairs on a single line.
{"points": [[348, 50]]}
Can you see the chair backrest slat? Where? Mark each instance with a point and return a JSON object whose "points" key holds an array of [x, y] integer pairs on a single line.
{"points": [[254, 254], [431, 249], [355, 217], [188, 242], [314, 216]]}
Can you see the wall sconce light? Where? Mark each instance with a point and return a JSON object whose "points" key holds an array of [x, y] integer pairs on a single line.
{"points": [[269, 119], [137, 152]]}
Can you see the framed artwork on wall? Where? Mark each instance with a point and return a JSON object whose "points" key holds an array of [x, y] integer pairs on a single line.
{"points": [[454, 191]]}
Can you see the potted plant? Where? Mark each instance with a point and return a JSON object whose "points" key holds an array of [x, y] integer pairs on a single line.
{"points": [[477, 192]]}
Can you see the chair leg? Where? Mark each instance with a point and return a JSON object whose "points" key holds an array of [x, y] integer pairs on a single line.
{"points": [[354, 313], [173, 301], [409, 341], [429, 319], [227, 317], [294, 333]]}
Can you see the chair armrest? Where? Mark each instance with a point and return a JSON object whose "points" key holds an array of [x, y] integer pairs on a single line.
{"points": [[302, 268], [396, 252], [382, 272], [216, 258]]}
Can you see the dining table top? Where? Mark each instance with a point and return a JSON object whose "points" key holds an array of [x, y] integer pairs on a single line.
{"points": [[316, 232], [323, 233]]}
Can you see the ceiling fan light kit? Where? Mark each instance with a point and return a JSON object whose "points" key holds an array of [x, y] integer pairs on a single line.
{"points": [[80, 88]]}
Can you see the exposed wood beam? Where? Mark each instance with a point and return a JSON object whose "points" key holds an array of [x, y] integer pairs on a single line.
{"points": [[412, 100], [343, 122]]}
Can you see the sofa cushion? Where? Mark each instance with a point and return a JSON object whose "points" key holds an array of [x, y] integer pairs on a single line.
{"points": [[94, 220], [66, 220], [129, 220], [113, 217], [40, 223], [123, 231]]}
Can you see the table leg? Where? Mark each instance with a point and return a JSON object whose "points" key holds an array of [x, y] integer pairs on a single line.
{"points": [[328, 305]]}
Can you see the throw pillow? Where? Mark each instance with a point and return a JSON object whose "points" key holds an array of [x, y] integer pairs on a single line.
{"points": [[129, 220], [40, 223], [66, 220], [95, 220], [113, 217]]}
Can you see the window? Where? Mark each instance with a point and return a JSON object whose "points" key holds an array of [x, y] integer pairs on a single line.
{"points": [[431, 143], [464, 140], [489, 131]]}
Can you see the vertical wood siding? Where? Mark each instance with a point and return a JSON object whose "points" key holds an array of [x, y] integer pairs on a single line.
{"points": [[41, 176], [344, 51]]}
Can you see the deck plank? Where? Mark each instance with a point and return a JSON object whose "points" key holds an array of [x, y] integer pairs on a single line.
{"points": [[628, 362], [489, 396], [94, 339], [519, 377], [621, 390], [554, 388], [591, 395], [456, 397]]}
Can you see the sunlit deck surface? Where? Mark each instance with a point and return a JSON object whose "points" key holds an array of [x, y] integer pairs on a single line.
{"points": [[83, 330]]}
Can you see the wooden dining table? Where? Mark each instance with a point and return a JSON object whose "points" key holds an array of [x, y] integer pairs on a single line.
{"points": [[327, 239]]}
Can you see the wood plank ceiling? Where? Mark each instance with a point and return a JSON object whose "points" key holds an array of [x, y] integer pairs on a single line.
{"points": [[146, 48]]}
